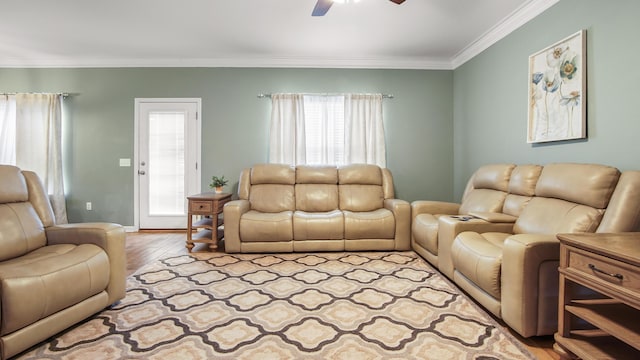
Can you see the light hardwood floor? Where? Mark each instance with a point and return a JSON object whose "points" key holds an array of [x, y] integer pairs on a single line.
{"points": [[147, 246]]}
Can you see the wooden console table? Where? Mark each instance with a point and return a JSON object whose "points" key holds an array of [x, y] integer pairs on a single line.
{"points": [[208, 206], [610, 265]]}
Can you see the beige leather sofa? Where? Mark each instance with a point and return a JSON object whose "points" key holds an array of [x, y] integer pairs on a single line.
{"points": [[513, 273], [316, 208], [51, 276]]}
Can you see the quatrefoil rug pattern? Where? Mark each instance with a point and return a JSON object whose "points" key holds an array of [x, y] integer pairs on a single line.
{"points": [[373, 305]]}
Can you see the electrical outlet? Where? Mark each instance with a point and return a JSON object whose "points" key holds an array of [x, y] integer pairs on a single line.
{"points": [[89, 206]]}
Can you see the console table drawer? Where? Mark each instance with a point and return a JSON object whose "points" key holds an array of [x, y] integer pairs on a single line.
{"points": [[204, 206], [604, 271]]}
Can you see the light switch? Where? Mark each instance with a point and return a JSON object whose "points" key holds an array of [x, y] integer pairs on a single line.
{"points": [[125, 162]]}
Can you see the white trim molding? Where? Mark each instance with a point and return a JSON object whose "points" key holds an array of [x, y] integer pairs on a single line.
{"points": [[512, 22]]}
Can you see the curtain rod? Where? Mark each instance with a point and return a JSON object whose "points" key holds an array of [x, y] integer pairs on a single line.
{"points": [[63, 94], [384, 96]]}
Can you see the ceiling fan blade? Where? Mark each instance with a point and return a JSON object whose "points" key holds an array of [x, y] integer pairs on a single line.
{"points": [[321, 8], [397, 1]]}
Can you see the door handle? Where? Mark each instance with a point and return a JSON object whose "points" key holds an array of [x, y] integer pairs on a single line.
{"points": [[141, 172]]}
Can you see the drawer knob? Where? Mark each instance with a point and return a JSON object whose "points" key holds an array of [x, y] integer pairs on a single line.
{"points": [[595, 268]]}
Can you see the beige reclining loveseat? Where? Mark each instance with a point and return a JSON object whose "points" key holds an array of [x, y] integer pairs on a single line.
{"points": [[497, 192], [282, 208], [514, 273], [51, 276]]}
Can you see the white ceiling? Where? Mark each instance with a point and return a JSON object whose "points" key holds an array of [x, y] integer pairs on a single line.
{"points": [[419, 34]]}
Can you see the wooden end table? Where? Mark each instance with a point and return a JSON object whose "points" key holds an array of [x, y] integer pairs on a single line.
{"points": [[609, 264], [208, 206]]}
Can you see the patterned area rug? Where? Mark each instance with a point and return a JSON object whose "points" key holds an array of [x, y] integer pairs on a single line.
{"points": [[288, 306]]}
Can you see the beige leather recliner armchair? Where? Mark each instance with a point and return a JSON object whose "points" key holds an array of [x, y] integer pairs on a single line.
{"points": [[282, 208], [515, 274], [51, 276]]}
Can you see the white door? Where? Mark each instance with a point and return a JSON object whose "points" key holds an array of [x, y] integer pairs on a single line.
{"points": [[168, 154]]}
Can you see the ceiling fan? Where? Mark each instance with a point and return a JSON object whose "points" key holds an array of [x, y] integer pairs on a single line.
{"points": [[322, 6]]}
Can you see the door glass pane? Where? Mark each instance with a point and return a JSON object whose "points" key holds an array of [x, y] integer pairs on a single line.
{"points": [[166, 163]]}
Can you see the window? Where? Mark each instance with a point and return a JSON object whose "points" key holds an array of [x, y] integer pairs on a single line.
{"points": [[324, 129], [319, 129]]}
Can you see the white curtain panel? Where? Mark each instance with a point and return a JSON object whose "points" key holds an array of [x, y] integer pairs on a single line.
{"points": [[287, 135], [364, 130], [39, 144], [8, 129]]}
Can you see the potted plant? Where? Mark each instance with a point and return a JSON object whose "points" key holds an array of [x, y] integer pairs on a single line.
{"points": [[217, 183]]}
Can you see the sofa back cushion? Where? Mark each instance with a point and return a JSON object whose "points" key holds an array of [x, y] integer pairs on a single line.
{"points": [[316, 188], [623, 212], [569, 198], [487, 189], [21, 229], [272, 188], [522, 187], [586, 184], [360, 187]]}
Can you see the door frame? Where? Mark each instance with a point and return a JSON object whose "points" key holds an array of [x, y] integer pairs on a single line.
{"points": [[136, 149]]}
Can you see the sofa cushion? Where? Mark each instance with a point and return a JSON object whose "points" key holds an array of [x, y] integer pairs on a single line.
{"points": [[14, 186], [523, 180], [307, 174], [360, 197], [552, 216], [273, 174], [272, 198], [316, 197], [586, 184], [483, 200], [256, 226], [377, 224], [35, 285], [494, 176], [479, 258], [360, 174], [21, 230], [318, 225]]}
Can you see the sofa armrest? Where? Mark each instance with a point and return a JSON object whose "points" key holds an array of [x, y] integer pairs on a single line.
{"points": [[433, 207], [449, 227], [232, 211], [530, 283], [401, 210], [110, 237]]}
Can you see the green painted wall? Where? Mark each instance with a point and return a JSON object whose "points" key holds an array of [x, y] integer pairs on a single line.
{"points": [[99, 124], [490, 91]]}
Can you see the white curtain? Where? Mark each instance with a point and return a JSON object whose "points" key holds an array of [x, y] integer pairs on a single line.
{"points": [[287, 137], [327, 129], [8, 129], [35, 142], [364, 130]]}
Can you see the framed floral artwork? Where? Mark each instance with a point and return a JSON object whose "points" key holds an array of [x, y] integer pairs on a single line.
{"points": [[557, 89]]}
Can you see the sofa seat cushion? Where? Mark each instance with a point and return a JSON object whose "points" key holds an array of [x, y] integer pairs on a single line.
{"points": [[36, 285], [377, 224], [479, 258], [318, 225], [256, 226], [425, 232]]}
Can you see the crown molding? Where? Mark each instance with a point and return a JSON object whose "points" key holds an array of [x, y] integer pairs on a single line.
{"points": [[237, 62], [516, 19]]}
